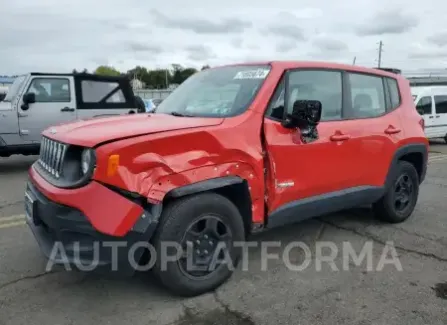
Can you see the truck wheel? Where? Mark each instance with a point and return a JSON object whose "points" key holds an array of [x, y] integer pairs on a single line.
{"points": [[401, 197], [205, 226]]}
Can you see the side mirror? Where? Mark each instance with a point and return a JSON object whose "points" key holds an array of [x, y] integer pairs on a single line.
{"points": [[305, 113], [28, 98]]}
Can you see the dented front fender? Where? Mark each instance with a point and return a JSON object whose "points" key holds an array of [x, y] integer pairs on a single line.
{"points": [[154, 166]]}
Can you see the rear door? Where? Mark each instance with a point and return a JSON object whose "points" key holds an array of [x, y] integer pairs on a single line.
{"points": [[55, 104], [99, 96], [373, 124], [440, 102]]}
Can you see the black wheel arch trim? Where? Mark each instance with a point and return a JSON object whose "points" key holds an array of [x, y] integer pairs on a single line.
{"points": [[419, 148], [203, 186]]}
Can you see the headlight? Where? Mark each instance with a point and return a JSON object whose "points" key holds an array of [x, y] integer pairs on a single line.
{"points": [[87, 160]]}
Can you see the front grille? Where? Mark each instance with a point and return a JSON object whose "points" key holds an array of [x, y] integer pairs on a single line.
{"points": [[51, 156]]}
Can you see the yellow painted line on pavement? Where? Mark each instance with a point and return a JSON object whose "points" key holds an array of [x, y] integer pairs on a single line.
{"points": [[12, 221], [12, 224]]}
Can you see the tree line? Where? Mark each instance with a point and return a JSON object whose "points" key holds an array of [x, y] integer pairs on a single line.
{"points": [[152, 78]]}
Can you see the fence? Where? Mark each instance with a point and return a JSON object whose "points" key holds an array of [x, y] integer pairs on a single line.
{"points": [[152, 93]]}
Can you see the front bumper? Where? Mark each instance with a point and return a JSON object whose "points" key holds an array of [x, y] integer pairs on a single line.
{"points": [[66, 236]]}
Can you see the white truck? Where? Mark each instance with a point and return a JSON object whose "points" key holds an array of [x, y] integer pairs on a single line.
{"points": [[431, 103], [36, 101]]}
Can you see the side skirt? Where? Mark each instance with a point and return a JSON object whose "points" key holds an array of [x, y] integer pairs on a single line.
{"points": [[315, 206]]}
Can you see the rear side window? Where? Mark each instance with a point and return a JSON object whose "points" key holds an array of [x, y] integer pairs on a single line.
{"points": [[367, 96], [96, 91], [394, 92], [441, 104], [424, 105]]}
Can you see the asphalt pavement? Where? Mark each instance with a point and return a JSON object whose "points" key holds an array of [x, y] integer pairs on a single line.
{"points": [[354, 294]]}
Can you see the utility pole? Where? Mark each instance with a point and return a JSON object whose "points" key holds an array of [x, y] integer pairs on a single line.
{"points": [[166, 78], [353, 61], [380, 53]]}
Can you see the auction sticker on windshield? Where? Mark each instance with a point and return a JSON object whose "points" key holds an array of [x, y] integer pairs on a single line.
{"points": [[252, 74]]}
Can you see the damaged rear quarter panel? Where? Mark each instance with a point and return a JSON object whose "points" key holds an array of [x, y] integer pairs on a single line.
{"points": [[152, 165]]}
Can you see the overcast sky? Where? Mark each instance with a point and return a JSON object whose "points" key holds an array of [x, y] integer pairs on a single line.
{"points": [[60, 35]]}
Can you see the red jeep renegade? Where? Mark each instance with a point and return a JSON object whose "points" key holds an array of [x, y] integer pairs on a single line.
{"points": [[233, 150]]}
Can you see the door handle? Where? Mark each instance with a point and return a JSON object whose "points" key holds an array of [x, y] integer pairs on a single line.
{"points": [[339, 137], [392, 130], [67, 109], [438, 116], [430, 117]]}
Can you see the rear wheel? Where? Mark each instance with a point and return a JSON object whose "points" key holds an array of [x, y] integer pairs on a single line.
{"points": [[203, 228], [401, 197]]}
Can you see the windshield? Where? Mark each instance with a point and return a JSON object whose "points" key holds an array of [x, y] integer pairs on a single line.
{"points": [[13, 90], [218, 92]]}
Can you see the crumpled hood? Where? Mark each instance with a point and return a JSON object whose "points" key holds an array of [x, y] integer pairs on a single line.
{"points": [[97, 130]]}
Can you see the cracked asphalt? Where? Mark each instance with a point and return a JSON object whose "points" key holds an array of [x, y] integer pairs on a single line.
{"points": [[417, 294]]}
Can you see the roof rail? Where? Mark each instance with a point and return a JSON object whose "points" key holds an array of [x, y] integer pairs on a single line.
{"points": [[392, 70]]}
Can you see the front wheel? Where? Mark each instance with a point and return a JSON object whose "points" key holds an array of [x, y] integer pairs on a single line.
{"points": [[401, 197], [200, 231]]}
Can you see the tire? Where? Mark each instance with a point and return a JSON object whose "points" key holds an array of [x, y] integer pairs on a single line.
{"points": [[386, 209], [177, 217]]}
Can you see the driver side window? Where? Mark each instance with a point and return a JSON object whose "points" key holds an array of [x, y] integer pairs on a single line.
{"points": [[50, 90], [322, 85]]}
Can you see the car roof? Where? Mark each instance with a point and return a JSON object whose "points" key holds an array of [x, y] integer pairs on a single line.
{"points": [[321, 65], [79, 75]]}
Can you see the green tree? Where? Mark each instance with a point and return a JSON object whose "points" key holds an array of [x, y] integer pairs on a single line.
{"points": [[206, 66], [107, 71], [160, 78], [180, 74], [140, 73]]}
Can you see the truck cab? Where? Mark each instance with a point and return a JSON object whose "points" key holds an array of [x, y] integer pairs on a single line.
{"points": [[36, 101]]}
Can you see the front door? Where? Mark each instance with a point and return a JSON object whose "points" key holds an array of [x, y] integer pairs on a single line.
{"points": [[309, 170], [55, 104]]}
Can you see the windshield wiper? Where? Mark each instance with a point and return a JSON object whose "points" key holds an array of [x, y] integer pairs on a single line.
{"points": [[180, 114]]}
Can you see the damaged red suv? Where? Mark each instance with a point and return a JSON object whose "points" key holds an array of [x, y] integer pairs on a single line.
{"points": [[232, 151]]}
